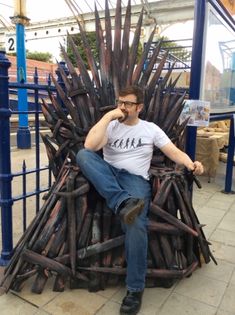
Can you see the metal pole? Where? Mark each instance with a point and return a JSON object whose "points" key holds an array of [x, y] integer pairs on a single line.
{"points": [[5, 163], [231, 147], [195, 75], [230, 156], [20, 19]]}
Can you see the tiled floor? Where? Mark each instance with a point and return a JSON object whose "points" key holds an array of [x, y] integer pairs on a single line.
{"points": [[209, 291]]}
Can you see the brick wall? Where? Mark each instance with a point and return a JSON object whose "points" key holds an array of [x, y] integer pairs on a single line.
{"points": [[44, 68]]}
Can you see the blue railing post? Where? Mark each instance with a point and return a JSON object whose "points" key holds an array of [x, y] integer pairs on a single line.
{"points": [[60, 80], [5, 163], [37, 141], [61, 64]]}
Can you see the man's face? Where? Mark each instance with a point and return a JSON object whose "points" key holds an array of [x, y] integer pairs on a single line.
{"points": [[129, 104]]}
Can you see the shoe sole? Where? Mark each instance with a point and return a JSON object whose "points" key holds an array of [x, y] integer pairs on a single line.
{"points": [[129, 217], [128, 313]]}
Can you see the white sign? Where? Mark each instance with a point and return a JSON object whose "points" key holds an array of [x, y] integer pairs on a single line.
{"points": [[197, 111], [10, 43]]}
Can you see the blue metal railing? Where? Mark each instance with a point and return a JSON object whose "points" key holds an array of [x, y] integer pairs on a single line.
{"points": [[179, 53], [5, 165], [6, 175]]}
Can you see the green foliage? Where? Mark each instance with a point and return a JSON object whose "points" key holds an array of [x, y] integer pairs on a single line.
{"points": [[139, 51], [91, 37], [11, 54], [36, 55], [175, 49], [40, 56]]}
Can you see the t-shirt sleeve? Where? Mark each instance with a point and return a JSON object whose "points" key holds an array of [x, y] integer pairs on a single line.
{"points": [[112, 125], [109, 129], [160, 138]]}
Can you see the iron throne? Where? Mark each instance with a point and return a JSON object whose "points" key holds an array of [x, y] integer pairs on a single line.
{"points": [[74, 236]]}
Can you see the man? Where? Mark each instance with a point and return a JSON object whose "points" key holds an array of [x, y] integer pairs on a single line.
{"points": [[122, 178]]}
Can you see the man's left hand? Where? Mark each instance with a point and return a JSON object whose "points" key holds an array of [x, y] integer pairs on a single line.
{"points": [[198, 168]]}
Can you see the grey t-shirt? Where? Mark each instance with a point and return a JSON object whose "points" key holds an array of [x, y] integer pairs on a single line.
{"points": [[131, 147]]}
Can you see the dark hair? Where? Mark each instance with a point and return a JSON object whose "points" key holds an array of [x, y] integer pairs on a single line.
{"points": [[133, 89]]}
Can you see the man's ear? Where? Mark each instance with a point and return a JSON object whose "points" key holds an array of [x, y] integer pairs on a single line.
{"points": [[140, 108]]}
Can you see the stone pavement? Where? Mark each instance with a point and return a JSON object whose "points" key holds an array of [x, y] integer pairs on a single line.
{"points": [[209, 291]]}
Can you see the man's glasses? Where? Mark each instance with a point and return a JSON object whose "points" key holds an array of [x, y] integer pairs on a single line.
{"points": [[127, 104]]}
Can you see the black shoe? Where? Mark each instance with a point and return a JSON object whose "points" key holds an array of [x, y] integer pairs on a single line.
{"points": [[130, 209], [131, 303]]}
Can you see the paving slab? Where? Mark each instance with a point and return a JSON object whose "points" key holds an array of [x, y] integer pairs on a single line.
{"points": [[228, 301], [74, 302], [181, 305], [202, 289]]}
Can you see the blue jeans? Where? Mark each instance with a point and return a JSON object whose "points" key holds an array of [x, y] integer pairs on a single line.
{"points": [[115, 186]]}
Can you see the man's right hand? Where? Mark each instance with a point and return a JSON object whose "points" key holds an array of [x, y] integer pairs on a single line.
{"points": [[117, 113]]}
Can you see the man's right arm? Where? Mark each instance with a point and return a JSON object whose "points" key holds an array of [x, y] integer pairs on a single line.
{"points": [[97, 136]]}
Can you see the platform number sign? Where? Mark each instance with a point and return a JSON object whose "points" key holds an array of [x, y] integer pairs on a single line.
{"points": [[10, 43]]}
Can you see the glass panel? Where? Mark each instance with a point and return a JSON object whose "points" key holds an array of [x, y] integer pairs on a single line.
{"points": [[218, 82]]}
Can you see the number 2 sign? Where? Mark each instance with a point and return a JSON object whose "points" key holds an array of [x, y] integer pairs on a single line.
{"points": [[10, 43]]}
